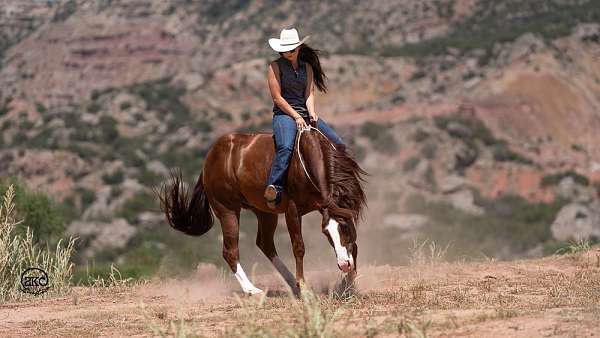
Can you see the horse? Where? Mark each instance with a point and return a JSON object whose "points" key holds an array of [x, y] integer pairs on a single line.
{"points": [[320, 177]]}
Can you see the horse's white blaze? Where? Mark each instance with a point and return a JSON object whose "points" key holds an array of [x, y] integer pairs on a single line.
{"points": [[340, 251], [247, 286]]}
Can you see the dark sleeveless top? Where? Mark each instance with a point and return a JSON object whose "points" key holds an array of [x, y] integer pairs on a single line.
{"points": [[293, 85]]}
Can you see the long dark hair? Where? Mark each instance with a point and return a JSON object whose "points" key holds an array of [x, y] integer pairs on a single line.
{"points": [[311, 56]]}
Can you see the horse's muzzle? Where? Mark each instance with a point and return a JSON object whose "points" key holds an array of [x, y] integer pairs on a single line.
{"points": [[346, 266]]}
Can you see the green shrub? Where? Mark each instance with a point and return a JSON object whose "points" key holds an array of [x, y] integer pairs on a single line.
{"points": [[264, 125], [569, 247], [495, 22], [6, 124], [114, 178], [108, 128], [95, 94], [428, 150], [502, 153], [420, 135], [64, 11], [5, 106], [149, 178], [203, 126], [40, 107], [115, 192], [87, 197], [380, 137], [20, 252], [163, 97], [478, 130], [358, 152], [417, 75], [142, 201], [189, 160], [554, 179], [510, 224], [42, 139], [223, 115], [94, 107], [125, 149], [578, 148], [37, 211], [85, 152], [410, 164], [430, 178], [125, 105], [371, 130], [19, 138], [386, 143]]}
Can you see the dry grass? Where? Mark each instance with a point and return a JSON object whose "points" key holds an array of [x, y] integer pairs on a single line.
{"points": [[18, 253], [558, 295], [427, 252]]}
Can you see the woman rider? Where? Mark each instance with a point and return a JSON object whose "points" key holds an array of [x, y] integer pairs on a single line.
{"points": [[291, 80]]}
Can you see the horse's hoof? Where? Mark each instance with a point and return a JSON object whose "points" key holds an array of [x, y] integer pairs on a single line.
{"points": [[253, 291]]}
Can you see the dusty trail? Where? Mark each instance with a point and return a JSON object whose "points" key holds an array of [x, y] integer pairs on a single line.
{"points": [[554, 296]]}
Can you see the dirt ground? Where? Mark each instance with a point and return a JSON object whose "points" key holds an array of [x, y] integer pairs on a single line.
{"points": [[553, 296]]}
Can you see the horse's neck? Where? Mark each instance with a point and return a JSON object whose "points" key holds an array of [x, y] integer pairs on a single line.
{"points": [[311, 171]]}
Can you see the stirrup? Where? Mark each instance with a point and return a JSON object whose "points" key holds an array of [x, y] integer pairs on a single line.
{"points": [[272, 196]]}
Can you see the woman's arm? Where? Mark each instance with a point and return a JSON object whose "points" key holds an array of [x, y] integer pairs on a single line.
{"points": [[310, 94]]}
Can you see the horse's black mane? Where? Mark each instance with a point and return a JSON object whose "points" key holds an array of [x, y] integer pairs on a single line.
{"points": [[345, 179]]}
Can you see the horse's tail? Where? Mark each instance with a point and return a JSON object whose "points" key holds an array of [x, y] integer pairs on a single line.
{"points": [[190, 216]]}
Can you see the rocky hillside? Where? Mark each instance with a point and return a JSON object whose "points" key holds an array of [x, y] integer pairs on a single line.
{"points": [[460, 103]]}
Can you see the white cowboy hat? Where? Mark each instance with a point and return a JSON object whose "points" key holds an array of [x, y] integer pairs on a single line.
{"points": [[288, 40]]}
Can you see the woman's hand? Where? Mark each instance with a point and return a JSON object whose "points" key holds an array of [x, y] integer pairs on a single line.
{"points": [[313, 118], [300, 123]]}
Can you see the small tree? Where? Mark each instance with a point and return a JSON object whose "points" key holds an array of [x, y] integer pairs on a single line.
{"points": [[18, 252]]}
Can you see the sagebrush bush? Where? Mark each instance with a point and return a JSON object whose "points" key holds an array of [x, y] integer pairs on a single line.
{"points": [[39, 213], [18, 252], [554, 179]]}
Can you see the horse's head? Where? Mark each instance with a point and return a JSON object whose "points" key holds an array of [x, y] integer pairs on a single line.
{"points": [[341, 234]]}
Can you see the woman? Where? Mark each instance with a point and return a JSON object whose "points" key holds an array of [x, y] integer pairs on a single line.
{"points": [[291, 80]]}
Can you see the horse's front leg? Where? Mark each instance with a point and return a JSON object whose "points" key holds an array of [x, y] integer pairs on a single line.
{"points": [[294, 225]]}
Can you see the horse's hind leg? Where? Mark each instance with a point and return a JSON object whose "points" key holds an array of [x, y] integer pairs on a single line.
{"points": [[267, 223], [230, 226]]}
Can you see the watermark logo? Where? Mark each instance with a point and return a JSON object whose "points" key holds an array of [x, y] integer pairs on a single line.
{"points": [[34, 281]]}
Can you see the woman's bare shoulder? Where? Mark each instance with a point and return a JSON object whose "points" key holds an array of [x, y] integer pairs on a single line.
{"points": [[274, 66]]}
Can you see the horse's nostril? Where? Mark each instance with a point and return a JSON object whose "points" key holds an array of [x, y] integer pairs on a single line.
{"points": [[346, 267]]}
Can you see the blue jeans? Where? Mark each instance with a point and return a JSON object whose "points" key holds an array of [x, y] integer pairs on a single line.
{"points": [[284, 132]]}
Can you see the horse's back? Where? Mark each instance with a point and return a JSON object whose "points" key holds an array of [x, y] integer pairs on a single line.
{"points": [[239, 163]]}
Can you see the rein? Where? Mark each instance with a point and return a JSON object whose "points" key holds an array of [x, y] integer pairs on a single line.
{"points": [[299, 134]]}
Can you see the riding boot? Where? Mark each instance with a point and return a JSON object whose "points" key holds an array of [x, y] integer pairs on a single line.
{"points": [[272, 196]]}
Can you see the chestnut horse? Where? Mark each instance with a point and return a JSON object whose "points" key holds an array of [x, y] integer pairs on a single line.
{"points": [[320, 177]]}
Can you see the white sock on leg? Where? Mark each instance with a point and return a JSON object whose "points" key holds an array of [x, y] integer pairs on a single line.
{"points": [[247, 286]]}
